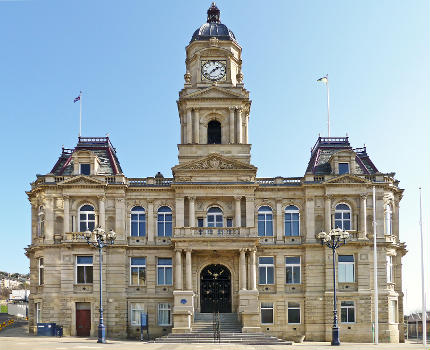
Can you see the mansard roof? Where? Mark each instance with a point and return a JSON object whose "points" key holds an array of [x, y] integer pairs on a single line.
{"points": [[100, 146], [326, 147]]}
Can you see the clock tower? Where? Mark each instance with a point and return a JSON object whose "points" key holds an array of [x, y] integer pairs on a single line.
{"points": [[214, 106]]}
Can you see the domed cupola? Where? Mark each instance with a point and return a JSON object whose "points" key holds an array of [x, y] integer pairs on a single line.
{"points": [[213, 27]]}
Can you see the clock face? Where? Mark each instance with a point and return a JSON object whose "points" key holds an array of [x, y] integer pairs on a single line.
{"points": [[213, 70]]}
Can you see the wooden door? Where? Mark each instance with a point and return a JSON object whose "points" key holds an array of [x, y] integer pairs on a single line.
{"points": [[83, 323]]}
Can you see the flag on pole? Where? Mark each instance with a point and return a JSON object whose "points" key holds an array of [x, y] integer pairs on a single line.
{"points": [[323, 80], [77, 99]]}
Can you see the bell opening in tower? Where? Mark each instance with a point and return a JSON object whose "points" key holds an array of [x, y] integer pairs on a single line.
{"points": [[214, 132]]}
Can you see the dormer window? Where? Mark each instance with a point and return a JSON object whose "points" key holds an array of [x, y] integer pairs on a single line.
{"points": [[85, 169], [343, 168]]}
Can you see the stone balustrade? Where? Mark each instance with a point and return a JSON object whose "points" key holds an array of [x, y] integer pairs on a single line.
{"points": [[214, 232]]}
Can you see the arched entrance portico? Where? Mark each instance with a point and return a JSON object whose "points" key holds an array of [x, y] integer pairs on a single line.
{"points": [[215, 289]]}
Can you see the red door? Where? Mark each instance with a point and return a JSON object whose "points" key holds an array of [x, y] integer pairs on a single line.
{"points": [[83, 323]]}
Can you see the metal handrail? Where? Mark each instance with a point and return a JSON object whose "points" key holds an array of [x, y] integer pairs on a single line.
{"points": [[216, 327]]}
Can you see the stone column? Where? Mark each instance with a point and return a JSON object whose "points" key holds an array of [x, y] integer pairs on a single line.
{"points": [[192, 213], [189, 126], [188, 271], [196, 126], [239, 125], [231, 124], [102, 216], [250, 212], [237, 211], [151, 230], [179, 212], [327, 214], [178, 270], [363, 215], [66, 221], [242, 270], [246, 129], [253, 285], [279, 216]]}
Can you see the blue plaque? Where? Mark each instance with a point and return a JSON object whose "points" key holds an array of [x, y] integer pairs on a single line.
{"points": [[183, 301]]}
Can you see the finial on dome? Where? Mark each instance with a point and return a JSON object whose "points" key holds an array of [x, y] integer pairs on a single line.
{"points": [[213, 14]]}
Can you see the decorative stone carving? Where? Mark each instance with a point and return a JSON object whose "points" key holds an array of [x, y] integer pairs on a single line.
{"points": [[239, 77], [215, 162], [83, 180], [187, 77], [347, 179], [183, 179]]}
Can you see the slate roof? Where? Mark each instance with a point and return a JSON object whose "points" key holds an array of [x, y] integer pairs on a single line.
{"points": [[101, 146], [325, 147]]}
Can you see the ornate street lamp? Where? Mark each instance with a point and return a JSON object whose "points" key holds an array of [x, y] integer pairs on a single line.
{"points": [[334, 239], [98, 238]]}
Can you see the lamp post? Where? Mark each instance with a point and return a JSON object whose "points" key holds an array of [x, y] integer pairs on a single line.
{"points": [[334, 239], [100, 240]]}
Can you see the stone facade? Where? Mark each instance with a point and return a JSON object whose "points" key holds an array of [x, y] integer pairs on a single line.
{"points": [[214, 184]]}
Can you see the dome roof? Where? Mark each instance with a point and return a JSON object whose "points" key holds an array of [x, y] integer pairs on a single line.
{"points": [[213, 27]]}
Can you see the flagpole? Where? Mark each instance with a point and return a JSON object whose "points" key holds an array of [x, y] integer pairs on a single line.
{"points": [[325, 81], [375, 272], [328, 107], [80, 113], [424, 313]]}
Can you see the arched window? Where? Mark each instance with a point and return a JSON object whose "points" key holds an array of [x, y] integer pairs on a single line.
{"points": [[164, 221], [214, 132], [342, 217], [138, 221], [292, 221], [388, 220], [265, 221], [41, 221], [214, 217], [87, 218]]}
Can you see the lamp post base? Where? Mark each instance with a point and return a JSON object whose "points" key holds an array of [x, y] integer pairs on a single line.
{"points": [[101, 335], [335, 336]]}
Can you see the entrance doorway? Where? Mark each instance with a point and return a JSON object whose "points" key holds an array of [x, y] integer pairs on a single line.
{"points": [[83, 319], [215, 289]]}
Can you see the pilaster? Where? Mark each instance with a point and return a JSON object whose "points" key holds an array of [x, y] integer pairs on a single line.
{"points": [[66, 219], [102, 213], [192, 212], [327, 213], [250, 211], [363, 214], [237, 211], [179, 211], [279, 233], [310, 219], [151, 229], [231, 124], [189, 126]]}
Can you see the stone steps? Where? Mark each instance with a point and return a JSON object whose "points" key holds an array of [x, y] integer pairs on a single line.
{"points": [[230, 332]]}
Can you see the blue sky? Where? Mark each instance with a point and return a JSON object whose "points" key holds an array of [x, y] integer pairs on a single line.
{"points": [[128, 58]]}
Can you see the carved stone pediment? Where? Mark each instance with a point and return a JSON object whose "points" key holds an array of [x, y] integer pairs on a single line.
{"points": [[82, 180], [347, 179], [214, 161], [215, 92]]}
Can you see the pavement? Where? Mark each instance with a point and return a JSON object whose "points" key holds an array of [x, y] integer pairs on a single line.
{"points": [[16, 337]]}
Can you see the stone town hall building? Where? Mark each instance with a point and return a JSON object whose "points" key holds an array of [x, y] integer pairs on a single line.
{"points": [[215, 236]]}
